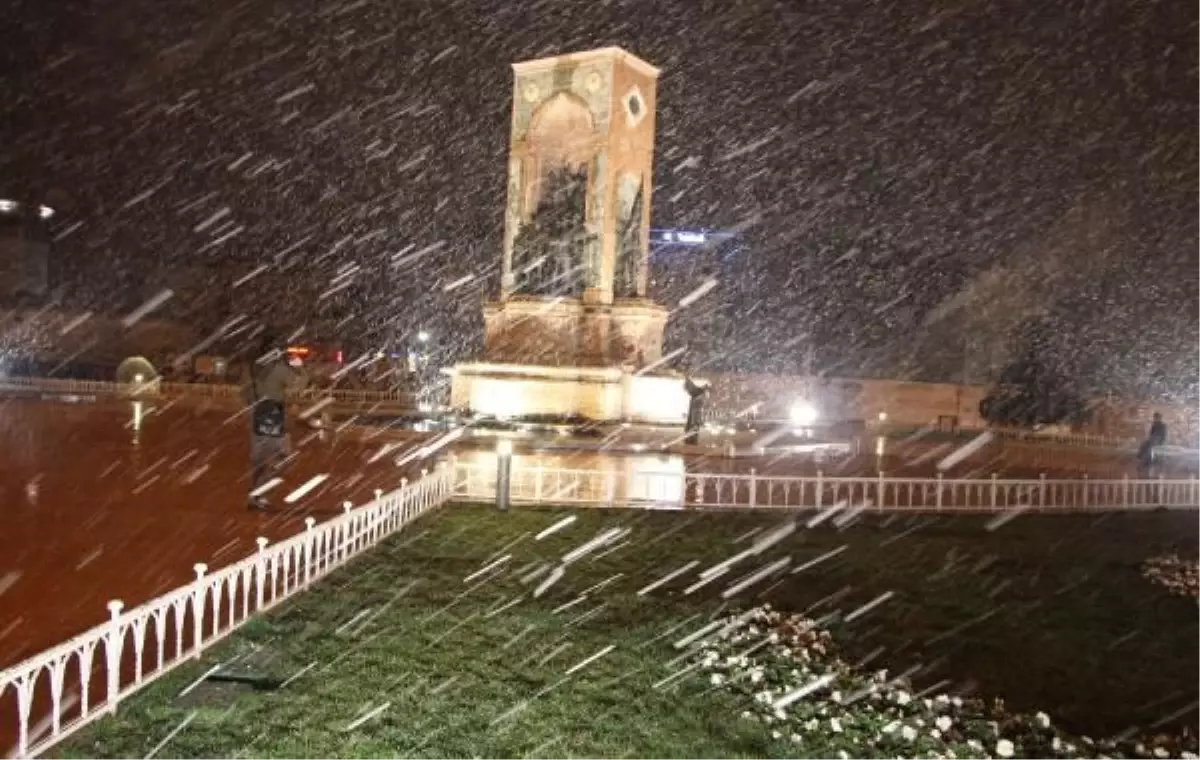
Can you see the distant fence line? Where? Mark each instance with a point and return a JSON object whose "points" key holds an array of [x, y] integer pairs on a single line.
{"points": [[534, 485], [218, 391], [53, 694]]}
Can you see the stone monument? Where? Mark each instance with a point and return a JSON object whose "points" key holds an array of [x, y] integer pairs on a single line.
{"points": [[573, 332]]}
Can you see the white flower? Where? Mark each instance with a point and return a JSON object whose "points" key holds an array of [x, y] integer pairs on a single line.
{"points": [[1189, 756], [975, 745], [909, 733], [1056, 744], [928, 703], [843, 754], [903, 697], [780, 714], [776, 735], [1160, 752], [935, 733], [746, 714], [956, 701], [756, 675], [942, 699], [717, 679], [889, 728], [811, 724], [835, 725], [1004, 748], [836, 696], [1042, 719], [944, 723], [797, 739]]}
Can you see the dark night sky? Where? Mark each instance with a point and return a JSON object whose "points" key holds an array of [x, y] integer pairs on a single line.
{"points": [[882, 158]]}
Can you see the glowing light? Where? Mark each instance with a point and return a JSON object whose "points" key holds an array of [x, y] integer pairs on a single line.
{"points": [[883, 416], [45, 212], [423, 336], [138, 414], [804, 413], [7, 206], [504, 447]]}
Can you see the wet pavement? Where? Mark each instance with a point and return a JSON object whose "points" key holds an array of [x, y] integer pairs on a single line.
{"points": [[94, 509]]}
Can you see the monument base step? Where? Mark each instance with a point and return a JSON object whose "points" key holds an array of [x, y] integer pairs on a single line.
{"points": [[602, 394]]}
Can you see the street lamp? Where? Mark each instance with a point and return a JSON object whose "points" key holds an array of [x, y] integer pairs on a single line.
{"points": [[803, 413], [504, 450], [423, 336]]}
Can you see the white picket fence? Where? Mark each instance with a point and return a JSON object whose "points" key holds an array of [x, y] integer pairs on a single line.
{"points": [[64, 688], [617, 487]]}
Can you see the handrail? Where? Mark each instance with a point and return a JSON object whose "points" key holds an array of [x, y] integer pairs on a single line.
{"points": [[204, 390], [879, 493], [135, 644]]}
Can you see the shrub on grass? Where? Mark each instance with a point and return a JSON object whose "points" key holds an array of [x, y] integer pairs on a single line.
{"points": [[786, 672]]}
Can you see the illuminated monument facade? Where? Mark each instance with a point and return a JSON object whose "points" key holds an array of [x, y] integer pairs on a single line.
{"points": [[573, 332]]}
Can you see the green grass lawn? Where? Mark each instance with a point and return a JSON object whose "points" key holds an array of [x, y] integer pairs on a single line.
{"points": [[1049, 612]]}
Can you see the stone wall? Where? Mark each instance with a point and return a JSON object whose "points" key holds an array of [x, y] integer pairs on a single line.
{"points": [[918, 404], [839, 399]]}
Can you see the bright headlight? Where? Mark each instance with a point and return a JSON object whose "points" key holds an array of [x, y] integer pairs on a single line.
{"points": [[804, 413]]}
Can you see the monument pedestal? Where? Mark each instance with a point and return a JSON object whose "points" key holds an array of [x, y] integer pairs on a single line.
{"points": [[602, 394], [561, 332]]}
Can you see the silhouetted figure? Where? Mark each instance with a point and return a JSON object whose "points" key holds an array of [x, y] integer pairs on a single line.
{"points": [[695, 416], [272, 376], [1155, 438]]}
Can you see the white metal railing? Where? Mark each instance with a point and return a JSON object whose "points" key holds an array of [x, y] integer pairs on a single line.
{"points": [[1087, 440], [202, 390], [595, 487], [136, 646]]}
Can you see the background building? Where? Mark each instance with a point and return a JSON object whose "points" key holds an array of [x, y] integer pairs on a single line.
{"points": [[24, 251]]}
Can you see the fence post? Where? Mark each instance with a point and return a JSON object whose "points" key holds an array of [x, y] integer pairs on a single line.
{"points": [[537, 484], [503, 474], [610, 486], [309, 545], [113, 645], [879, 491], [198, 599], [938, 497], [820, 490], [1125, 491], [373, 526], [753, 486], [1086, 501], [993, 490], [1161, 490], [261, 566], [1042, 491]]}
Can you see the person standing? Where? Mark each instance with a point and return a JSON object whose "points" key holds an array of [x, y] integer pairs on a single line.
{"points": [[272, 376], [1156, 437]]}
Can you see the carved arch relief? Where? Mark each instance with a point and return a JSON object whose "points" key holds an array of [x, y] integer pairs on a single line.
{"points": [[561, 134]]}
